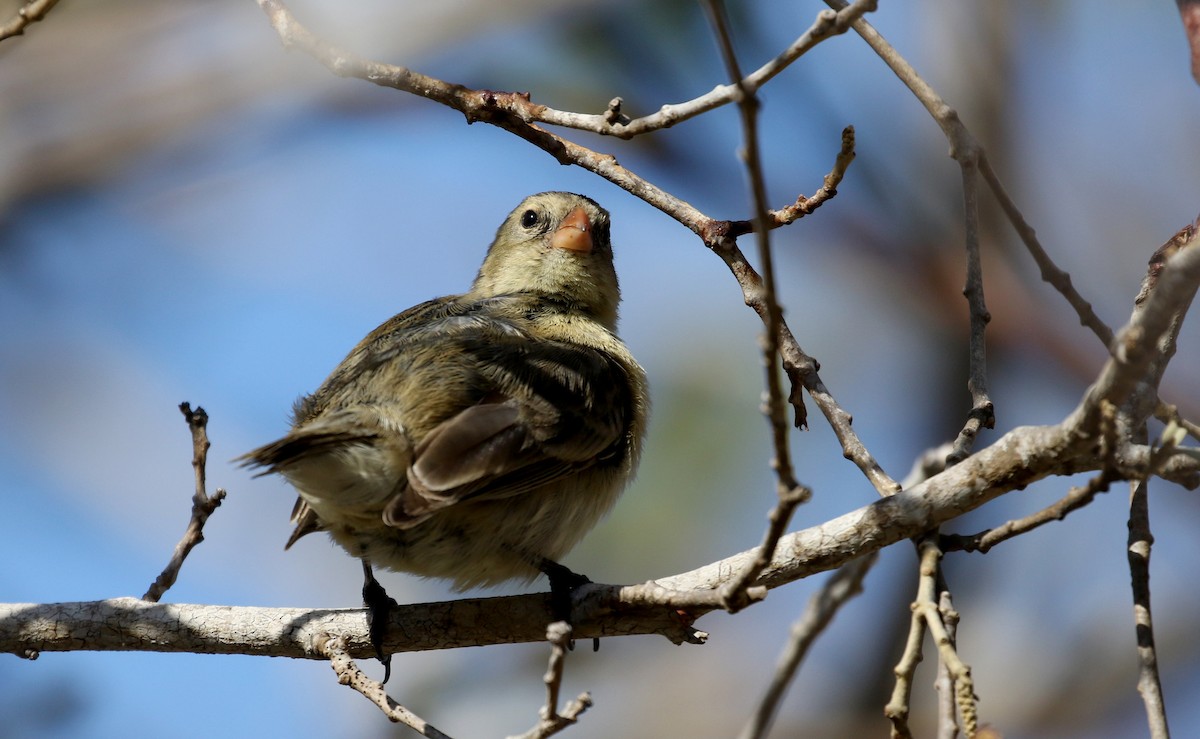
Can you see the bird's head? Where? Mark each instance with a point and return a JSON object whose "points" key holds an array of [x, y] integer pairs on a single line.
{"points": [[556, 244]]}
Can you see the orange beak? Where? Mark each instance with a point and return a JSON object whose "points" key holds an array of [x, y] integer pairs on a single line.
{"points": [[574, 233]]}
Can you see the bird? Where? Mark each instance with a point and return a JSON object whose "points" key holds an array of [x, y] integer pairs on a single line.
{"points": [[477, 437]]}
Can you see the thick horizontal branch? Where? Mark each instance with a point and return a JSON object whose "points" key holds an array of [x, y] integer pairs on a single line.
{"points": [[1022, 456], [129, 624]]}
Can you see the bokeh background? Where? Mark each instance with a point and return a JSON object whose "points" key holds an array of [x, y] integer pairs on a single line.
{"points": [[188, 212]]}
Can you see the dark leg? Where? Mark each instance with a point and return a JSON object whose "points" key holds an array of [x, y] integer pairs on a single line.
{"points": [[563, 582], [379, 605]]}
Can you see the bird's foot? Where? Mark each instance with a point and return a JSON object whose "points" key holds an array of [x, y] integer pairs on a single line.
{"points": [[379, 606], [563, 583]]}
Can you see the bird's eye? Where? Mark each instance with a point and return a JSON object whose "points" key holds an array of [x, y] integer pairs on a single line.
{"points": [[529, 219]]}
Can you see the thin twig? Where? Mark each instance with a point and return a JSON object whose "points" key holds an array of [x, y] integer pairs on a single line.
{"points": [[513, 112], [1076, 498], [551, 720], [203, 504], [964, 145], [1168, 413], [944, 685], [1051, 274], [1186, 239], [807, 205], [1140, 543], [611, 122], [982, 414], [28, 14], [897, 709], [822, 607], [790, 492], [1140, 354], [970, 157], [932, 613], [334, 648], [826, 25], [1161, 277], [1149, 685], [802, 369], [928, 608]]}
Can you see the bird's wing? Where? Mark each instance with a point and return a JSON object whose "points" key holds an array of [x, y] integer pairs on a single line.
{"points": [[552, 408]]}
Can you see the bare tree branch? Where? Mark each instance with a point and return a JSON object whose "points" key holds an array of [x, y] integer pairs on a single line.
{"points": [[1141, 541], [971, 158], [931, 613], [1051, 274], [963, 146], [802, 370], [203, 504], [1141, 349], [334, 648], [945, 683], [826, 26], [1014, 461], [28, 14], [132, 624], [982, 414], [1170, 414], [551, 721], [806, 206], [1166, 323], [1076, 498], [898, 708], [612, 122], [789, 491], [822, 607]]}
